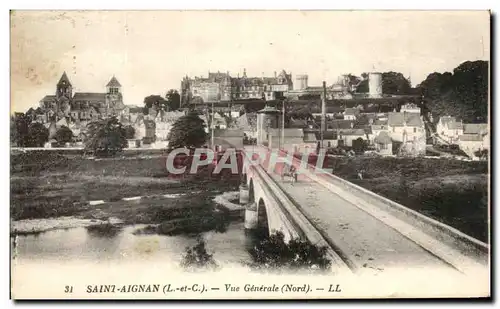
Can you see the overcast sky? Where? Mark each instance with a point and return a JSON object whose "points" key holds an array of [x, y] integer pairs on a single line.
{"points": [[149, 52]]}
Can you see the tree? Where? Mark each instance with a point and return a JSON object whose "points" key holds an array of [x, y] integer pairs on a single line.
{"points": [[37, 136], [274, 254], [198, 258], [359, 145], [105, 137], [129, 132], [64, 135], [187, 131], [155, 101], [19, 130], [463, 93], [173, 99]]}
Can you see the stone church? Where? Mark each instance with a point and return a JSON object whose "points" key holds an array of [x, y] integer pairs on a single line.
{"points": [[80, 106]]}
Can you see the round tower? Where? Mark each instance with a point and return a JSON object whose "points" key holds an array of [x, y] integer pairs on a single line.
{"points": [[301, 81], [375, 84]]}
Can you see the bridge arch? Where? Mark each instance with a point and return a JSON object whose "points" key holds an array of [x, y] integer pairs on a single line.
{"points": [[262, 218]]}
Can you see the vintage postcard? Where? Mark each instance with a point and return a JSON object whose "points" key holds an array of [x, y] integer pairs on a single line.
{"points": [[250, 154]]}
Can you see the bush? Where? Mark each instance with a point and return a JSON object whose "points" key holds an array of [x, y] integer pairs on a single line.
{"points": [[64, 135], [197, 258], [37, 135], [274, 254]]}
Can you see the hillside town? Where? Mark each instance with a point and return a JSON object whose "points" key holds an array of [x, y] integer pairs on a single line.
{"points": [[355, 122]]}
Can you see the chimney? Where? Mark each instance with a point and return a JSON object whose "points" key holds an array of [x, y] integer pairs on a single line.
{"points": [[275, 74], [244, 72]]}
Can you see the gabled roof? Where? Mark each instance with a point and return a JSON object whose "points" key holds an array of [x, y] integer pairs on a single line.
{"points": [[475, 128], [451, 123], [351, 111], [402, 119], [48, 98], [298, 123], [89, 96], [380, 122], [288, 133], [247, 121], [356, 132], [378, 127], [470, 138], [327, 135], [113, 83], [383, 138], [340, 124], [64, 79]]}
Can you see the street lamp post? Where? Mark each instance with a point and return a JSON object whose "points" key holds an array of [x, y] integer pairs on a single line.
{"points": [[283, 125], [212, 127]]}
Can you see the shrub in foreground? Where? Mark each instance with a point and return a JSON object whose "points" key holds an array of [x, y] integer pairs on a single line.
{"points": [[274, 254]]}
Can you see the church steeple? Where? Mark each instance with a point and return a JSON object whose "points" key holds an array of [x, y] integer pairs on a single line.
{"points": [[113, 87], [64, 87]]}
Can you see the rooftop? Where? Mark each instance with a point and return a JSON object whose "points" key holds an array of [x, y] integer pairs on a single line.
{"points": [[113, 83], [475, 128], [89, 96], [405, 119]]}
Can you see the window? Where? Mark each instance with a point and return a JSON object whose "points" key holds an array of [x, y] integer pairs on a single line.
{"points": [[414, 130], [393, 129]]}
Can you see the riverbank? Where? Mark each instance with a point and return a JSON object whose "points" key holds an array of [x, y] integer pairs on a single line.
{"points": [[132, 190]]}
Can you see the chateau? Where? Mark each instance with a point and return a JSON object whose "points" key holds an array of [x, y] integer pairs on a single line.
{"points": [[79, 106], [222, 87]]}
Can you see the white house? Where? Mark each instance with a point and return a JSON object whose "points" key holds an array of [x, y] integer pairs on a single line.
{"points": [[476, 137], [471, 143], [449, 129], [346, 137], [409, 129]]}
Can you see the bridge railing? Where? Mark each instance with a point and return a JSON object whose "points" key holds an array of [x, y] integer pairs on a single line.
{"points": [[448, 235]]}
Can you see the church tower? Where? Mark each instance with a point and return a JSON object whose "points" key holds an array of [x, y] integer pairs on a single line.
{"points": [[113, 87], [64, 88], [114, 99]]}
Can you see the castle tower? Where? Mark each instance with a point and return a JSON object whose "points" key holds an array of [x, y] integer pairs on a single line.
{"points": [[64, 87]]}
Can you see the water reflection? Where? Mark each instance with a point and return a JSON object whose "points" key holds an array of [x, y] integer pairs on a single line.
{"points": [[229, 247]]}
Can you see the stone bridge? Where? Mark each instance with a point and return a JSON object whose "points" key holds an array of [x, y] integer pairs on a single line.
{"points": [[362, 230]]}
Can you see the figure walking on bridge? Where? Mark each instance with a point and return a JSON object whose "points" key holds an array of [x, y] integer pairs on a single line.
{"points": [[289, 170]]}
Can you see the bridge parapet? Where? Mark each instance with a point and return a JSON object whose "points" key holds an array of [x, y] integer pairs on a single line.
{"points": [[463, 252]]}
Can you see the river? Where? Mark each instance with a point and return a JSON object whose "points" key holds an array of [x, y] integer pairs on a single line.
{"points": [[77, 244]]}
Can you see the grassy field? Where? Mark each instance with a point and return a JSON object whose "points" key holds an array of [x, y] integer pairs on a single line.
{"points": [[46, 184], [451, 191]]}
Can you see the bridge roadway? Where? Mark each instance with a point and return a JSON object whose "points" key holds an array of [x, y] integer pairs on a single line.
{"points": [[369, 239]]}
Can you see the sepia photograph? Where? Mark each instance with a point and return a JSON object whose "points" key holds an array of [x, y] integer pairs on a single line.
{"points": [[250, 155]]}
